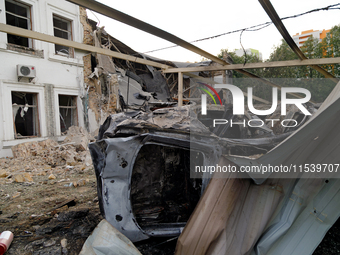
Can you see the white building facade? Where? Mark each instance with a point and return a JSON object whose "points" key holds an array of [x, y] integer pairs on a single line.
{"points": [[40, 83]]}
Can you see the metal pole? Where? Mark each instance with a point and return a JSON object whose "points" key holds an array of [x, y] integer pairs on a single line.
{"points": [[127, 94], [180, 89]]}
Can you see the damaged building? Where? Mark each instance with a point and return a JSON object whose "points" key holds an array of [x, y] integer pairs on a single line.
{"points": [[41, 84], [50, 87], [114, 85]]}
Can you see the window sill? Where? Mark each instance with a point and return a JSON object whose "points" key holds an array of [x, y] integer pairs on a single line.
{"points": [[66, 60], [23, 51], [10, 143]]}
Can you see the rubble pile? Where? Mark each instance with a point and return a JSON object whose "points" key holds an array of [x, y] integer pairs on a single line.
{"points": [[49, 157]]}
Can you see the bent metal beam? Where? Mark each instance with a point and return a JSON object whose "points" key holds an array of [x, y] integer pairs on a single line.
{"points": [[167, 69], [76, 45], [268, 7], [306, 62], [141, 25]]}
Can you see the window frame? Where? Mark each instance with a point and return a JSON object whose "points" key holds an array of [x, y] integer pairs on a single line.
{"points": [[29, 21], [74, 107], [72, 14], [67, 92], [6, 103], [69, 32], [36, 118]]}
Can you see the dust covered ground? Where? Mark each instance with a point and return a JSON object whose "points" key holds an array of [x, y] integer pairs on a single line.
{"points": [[48, 196]]}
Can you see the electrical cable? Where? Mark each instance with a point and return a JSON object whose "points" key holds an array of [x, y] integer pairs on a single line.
{"points": [[257, 27]]}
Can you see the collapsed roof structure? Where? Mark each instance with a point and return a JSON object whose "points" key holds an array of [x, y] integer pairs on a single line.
{"points": [[138, 153]]}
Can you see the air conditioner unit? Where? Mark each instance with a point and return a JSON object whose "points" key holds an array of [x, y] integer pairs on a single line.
{"points": [[25, 71]]}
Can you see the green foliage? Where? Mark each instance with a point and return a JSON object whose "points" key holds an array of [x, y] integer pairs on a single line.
{"points": [[242, 60], [243, 81], [330, 47], [312, 48], [309, 49], [281, 53]]}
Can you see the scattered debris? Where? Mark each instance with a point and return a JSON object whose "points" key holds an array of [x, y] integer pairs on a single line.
{"points": [[54, 212], [19, 178], [51, 177], [141, 160], [3, 173], [66, 204]]}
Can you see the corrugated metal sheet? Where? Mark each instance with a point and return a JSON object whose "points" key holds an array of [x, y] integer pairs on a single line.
{"points": [[280, 216]]}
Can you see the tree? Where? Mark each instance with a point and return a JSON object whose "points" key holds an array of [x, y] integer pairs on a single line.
{"points": [[242, 60], [281, 52], [243, 81], [309, 49], [329, 48]]}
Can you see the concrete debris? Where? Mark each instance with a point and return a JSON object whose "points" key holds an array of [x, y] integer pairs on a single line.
{"points": [[3, 173], [28, 177], [19, 178], [51, 177], [59, 210], [79, 183], [16, 195], [49, 154], [49, 243], [113, 85], [29, 149], [63, 243], [77, 137]]}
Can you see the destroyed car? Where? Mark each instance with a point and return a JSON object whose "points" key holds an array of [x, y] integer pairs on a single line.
{"points": [[142, 163]]}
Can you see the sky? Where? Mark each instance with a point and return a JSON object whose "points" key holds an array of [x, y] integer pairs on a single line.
{"points": [[192, 20]]}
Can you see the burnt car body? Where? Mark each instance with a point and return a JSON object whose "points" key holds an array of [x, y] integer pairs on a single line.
{"points": [[142, 163], [143, 174]]}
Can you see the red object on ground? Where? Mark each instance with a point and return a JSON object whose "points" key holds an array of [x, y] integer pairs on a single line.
{"points": [[6, 238]]}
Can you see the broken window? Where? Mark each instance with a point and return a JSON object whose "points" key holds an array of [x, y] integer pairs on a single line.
{"points": [[19, 15], [67, 112], [63, 29], [25, 115]]}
